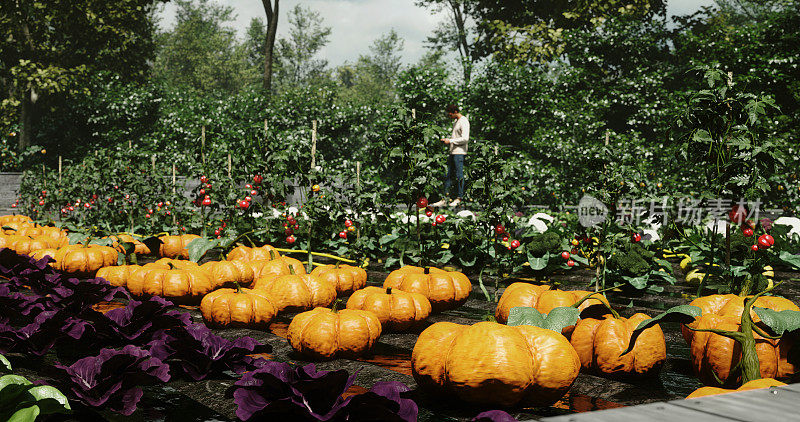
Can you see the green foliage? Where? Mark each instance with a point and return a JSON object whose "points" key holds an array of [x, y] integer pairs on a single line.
{"points": [[23, 401], [296, 61], [556, 320], [632, 261], [540, 244]]}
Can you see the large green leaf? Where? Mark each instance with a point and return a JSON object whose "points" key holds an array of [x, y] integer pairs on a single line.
{"points": [[779, 321], [4, 363], [556, 320], [790, 259], [27, 414], [50, 399], [199, 247], [539, 263], [683, 314]]}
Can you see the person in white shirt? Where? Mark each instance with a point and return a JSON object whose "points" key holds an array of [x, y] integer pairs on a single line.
{"points": [[455, 161]]}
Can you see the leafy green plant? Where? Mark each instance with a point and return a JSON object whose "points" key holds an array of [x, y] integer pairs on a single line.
{"points": [[23, 401]]}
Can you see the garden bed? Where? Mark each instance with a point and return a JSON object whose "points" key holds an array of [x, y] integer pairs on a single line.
{"points": [[210, 400]]}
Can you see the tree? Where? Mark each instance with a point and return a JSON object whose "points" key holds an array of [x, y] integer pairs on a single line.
{"points": [[371, 79], [532, 31], [46, 48], [200, 51], [458, 32], [269, 42], [296, 54]]}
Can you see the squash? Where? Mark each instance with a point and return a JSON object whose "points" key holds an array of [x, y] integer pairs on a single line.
{"points": [[297, 292], [175, 246], [396, 310], [41, 253], [24, 245], [714, 356], [139, 247], [279, 266], [168, 263], [444, 289], [238, 308], [324, 333], [243, 253], [599, 343], [85, 260], [118, 275], [495, 364], [752, 385], [733, 305], [230, 273], [346, 278], [178, 285], [53, 236], [14, 223], [541, 298]]}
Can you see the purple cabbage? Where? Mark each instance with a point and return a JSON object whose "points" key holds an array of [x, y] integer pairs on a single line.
{"points": [[38, 337], [494, 416], [111, 378], [140, 322], [279, 390], [196, 352]]}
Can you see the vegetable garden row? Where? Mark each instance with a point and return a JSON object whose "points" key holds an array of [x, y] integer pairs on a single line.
{"points": [[82, 314]]}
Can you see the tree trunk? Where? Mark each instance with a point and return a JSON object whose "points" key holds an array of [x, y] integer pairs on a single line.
{"points": [[272, 29], [26, 121], [459, 19]]}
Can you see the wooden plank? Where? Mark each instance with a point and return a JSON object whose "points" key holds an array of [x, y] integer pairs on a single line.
{"points": [[653, 412], [773, 404]]}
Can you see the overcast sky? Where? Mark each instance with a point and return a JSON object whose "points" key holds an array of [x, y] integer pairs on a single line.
{"points": [[356, 23]]}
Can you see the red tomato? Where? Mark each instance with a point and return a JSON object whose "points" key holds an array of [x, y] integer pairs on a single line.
{"points": [[206, 202], [257, 179], [747, 231], [500, 229], [422, 202], [515, 244], [565, 255], [440, 218], [290, 239], [343, 234], [754, 248], [203, 179], [636, 237], [570, 263], [348, 223]]}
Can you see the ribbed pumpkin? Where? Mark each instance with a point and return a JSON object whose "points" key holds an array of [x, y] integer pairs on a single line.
{"points": [[495, 364], [346, 278], [444, 289], [243, 253], [175, 246], [41, 253], [733, 305], [169, 263], [397, 310], [541, 298], [24, 245], [713, 356], [14, 223], [297, 292], [118, 275], [229, 273], [184, 286], [279, 266], [323, 333], [139, 247], [238, 308], [752, 385], [53, 236], [599, 343], [85, 260]]}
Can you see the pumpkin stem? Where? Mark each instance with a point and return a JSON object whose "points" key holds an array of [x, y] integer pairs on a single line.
{"points": [[238, 287], [271, 255], [589, 296], [427, 270], [291, 270], [337, 264], [171, 266], [335, 306], [388, 290]]}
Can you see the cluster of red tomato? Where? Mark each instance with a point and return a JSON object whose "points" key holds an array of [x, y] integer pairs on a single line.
{"points": [[349, 227], [738, 215], [566, 256], [500, 230], [159, 206], [253, 191], [73, 206], [422, 202], [290, 226]]}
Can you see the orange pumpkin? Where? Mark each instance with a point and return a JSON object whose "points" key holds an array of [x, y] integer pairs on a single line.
{"points": [[243, 253], [599, 343], [41, 253], [139, 247], [85, 260], [230, 273], [346, 278], [179, 285], [175, 246], [238, 308], [297, 292], [444, 289], [264, 271], [542, 298], [24, 245], [752, 385], [713, 356], [169, 263], [53, 236], [397, 310], [733, 306], [14, 223], [117, 275], [495, 364], [323, 333]]}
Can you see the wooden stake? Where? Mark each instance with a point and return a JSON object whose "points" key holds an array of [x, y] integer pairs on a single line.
{"points": [[358, 175], [608, 135], [265, 129], [229, 165], [153, 162], [414, 113], [59, 169], [313, 146], [173, 178], [130, 144]]}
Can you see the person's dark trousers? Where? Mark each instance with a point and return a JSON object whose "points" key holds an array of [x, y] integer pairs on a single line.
{"points": [[455, 167]]}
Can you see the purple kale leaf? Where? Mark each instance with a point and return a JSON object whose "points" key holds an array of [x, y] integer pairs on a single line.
{"points": [[111, 378], [195, 351], [494, 416], [383, 402], [138, 323], [38, 337], [279, 390]]}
